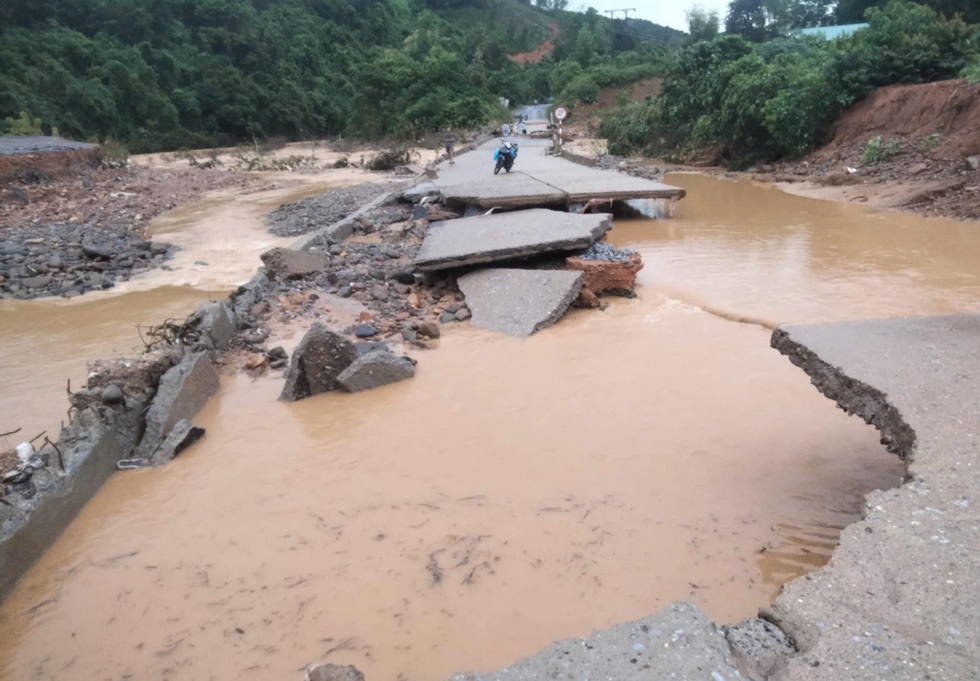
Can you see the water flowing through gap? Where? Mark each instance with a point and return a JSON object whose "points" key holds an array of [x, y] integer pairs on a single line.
{"points": [[513, 492]]}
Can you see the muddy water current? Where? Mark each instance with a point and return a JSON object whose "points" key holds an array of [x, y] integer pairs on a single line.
{"points": [[514, 492]]}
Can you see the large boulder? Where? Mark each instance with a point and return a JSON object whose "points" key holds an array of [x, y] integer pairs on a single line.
{"points": [[316, 363], [375, 369]]}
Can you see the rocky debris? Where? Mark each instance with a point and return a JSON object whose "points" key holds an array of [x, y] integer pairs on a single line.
{"points": [[333, 672], [320, 211], [375, 369], [278, 357], [182, 391], [285, 263], [607, 270], [758, 647], [214, 324], [71, 259], [676, 643], [47, 227], [316, 363], [519, 302], [507, 236], [132, 375]]}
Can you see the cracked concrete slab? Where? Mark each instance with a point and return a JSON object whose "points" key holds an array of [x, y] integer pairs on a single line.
{"points": [[677, 643], [507, 236], [519, 302], [900, 598]]}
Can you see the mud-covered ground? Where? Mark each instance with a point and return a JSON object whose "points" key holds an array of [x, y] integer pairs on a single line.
{"points": [[84, 232]]}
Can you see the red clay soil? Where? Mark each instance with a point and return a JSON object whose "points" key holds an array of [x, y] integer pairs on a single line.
{"points": [[937, 168], [585, 118], [910, 114], [539, 52]]}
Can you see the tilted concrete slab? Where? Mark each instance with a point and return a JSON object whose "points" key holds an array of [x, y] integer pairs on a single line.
{"points": [[538, 179], [900, 598], [506, 236], [519, 302]]}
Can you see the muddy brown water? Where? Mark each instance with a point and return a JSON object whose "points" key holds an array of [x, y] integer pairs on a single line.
{"points": [[514, 492]]}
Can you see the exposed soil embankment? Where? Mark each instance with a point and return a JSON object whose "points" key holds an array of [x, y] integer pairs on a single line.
{"points": [[930, 135]]}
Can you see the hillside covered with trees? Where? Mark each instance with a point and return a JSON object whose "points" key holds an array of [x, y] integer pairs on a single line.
{"points": [[168, 74], [758, 92]]}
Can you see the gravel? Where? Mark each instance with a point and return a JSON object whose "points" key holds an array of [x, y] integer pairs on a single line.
{"points": [[603, 251], [323, 210]]}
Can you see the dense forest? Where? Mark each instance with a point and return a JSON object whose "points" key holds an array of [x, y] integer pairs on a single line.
{"points": [[165, 74], [170, 74]]}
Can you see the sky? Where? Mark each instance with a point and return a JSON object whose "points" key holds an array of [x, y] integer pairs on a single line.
{"points": [[663, 12]]}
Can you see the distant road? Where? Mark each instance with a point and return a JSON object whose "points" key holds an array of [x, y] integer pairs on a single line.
{"points": [[12, 144]]}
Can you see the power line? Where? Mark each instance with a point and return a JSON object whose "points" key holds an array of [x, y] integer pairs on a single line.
{"points": [[626, 15]]}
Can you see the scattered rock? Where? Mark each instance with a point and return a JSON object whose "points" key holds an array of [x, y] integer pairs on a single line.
{"points": [[113, 394], [365, 331], [316, 363], [447, 317], [429, 329], [462, 314], [285, 263], [278, 357], [375, 369], [333, 672]]}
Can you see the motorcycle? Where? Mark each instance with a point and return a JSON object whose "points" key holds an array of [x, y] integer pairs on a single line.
{"points": [[504, 155]]}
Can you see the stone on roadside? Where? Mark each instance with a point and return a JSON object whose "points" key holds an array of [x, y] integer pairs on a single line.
{"points": [[519, 302], [447, 317], [462, 314], [365, 331], [285, 263], [375, 369], [333, 672], [215, 324], [507, 236], [429, 329], [316, 363]]}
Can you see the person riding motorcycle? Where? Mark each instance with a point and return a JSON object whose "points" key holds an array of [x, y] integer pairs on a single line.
{"points": [[504, 155]]}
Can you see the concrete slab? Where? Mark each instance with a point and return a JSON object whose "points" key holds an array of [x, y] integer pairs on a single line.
{"points": [[538, 179], [507, 236], [677, 643], [183, 390], [901, 596], [519, 302]]}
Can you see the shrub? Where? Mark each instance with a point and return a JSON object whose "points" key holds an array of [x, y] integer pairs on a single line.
{"points": [[876, 150]]}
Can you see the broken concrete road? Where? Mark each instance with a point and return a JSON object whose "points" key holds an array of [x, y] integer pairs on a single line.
{"points": [[375, 369], [507, 236], [677, 643], [519, 302], [901, 596], [538, 179]]}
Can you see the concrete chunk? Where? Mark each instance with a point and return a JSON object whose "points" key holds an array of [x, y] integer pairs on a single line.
{"points": [[286, 263], [316, 363], [677, 643], [519, 302], [183, 390], [506, 236], [375, 369]]}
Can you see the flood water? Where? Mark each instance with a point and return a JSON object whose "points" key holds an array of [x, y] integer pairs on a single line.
{"points": [[514, 492]]}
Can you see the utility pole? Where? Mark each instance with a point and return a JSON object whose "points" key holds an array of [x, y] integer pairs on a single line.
{"points": [[626, 12]]}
